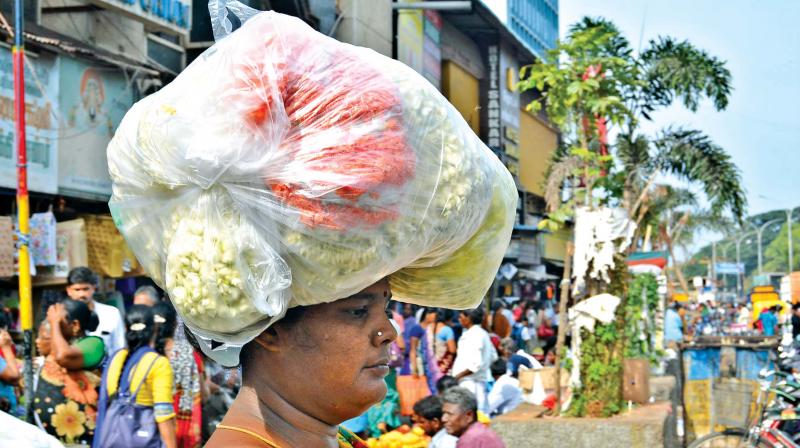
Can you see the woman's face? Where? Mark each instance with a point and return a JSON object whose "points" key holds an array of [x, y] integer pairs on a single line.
{"points": [[43, 340], [430, 317], [335, 356], [70, 328]]}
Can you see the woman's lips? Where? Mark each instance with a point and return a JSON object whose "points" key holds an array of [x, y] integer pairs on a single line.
{"points": [[379, 367]]}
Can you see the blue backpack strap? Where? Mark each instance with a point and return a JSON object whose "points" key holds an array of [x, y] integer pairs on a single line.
{"points": [[103, 399], [144, 378], [127, 370]]}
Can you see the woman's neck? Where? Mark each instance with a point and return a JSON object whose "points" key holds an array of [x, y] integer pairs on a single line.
{"points": [[283, 423]]}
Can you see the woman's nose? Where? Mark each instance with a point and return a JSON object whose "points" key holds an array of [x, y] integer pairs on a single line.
{"points": [[386, 332]]}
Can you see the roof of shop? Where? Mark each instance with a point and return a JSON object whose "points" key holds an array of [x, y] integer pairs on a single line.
{"points": [[50, 40]]}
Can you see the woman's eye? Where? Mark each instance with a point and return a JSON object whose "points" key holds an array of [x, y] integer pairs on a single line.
{"points": [[359, 312]]}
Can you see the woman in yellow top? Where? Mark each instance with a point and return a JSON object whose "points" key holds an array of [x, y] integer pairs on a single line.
{"points": [[149, 379]]}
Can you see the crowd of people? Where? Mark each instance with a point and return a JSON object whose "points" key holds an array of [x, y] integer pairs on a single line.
{"points": [[97, 365], [469, 361], [708, 318]]}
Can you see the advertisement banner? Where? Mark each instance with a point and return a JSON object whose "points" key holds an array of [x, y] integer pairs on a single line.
{"points": [[93, 102], [410, 38], [41, 125], [432, 59]]}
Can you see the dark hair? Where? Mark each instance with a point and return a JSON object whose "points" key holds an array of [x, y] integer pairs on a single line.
{"points": [[497, 304], [81, 275], [463, 398], [475, 315], [446, 382], [429, 408], [136, 338], [499, 367], [795, 306], [164, 330], [77, 310], [444, 315]]}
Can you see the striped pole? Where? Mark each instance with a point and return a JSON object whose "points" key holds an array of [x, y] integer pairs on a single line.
{"points": [[25, 305]]}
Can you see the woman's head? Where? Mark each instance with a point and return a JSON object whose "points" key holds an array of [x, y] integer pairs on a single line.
{"points": [[79, 319], [428, 316], [343, 344], [165, 321], [139, 327], [444, 315], [43, 339]]}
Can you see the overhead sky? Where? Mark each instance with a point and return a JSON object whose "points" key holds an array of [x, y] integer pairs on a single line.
{"points": [[760, 40]]}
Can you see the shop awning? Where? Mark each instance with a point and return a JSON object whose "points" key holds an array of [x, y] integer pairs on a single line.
{"points": [[44, 38]]}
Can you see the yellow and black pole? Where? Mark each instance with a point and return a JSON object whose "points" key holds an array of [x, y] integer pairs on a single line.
{"points": [[25, 305]]}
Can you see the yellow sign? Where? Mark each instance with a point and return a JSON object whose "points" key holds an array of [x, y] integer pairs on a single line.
{"points": [[680, 297]]}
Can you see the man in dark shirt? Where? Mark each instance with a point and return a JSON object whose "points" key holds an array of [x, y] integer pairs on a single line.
{"points": [[795, 320]]}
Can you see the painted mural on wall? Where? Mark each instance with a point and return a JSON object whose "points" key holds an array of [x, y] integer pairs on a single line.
{"points": [[93, 102]]}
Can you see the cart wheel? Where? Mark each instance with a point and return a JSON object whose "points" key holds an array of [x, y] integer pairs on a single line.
{"points": [[729, 438]]}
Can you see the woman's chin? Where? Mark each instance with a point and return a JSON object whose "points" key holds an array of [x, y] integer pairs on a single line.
{"points": [[370, 392]]}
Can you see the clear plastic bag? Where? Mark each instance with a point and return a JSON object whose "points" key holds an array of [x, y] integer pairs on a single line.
{"points": [[285, 168]]}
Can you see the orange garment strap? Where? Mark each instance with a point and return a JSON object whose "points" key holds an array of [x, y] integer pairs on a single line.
{"points": [[249, 433]]}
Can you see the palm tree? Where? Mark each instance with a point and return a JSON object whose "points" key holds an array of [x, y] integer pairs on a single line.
{"points": [[666, 71]]}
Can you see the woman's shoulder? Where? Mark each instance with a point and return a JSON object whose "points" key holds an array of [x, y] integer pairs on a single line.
{"points": [[160, 364]]}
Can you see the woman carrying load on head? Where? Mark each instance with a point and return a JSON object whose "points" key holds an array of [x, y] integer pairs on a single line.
{"points": [[282, 189]]}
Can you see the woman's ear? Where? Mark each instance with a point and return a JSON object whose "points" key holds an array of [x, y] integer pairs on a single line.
{"points": [[270, 340]]}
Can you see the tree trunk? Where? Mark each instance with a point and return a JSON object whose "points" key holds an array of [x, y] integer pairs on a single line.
{"points": [[563, 322], [678, 272]]}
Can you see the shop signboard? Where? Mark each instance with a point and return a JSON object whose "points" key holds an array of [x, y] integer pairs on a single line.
{"points": [[729, 268], [93, 102], [41, 122], [493, 128], [173, 16], [500, 101], [432, 53], [508, 69]]}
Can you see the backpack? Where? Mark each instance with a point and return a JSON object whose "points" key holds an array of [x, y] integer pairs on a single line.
{"points": [[125, 423], [516, 335]]}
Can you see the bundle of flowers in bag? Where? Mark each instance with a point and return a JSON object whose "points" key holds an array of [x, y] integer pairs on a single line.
{"points": [[285, 168]]}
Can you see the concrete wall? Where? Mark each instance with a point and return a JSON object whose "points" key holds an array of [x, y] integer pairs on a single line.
{"points": [[367, 23], [642, 428]]}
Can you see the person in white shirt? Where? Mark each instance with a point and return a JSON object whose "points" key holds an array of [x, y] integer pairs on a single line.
{"points": [[81, 285], [506, 394], [474, 356], [428, 415]]}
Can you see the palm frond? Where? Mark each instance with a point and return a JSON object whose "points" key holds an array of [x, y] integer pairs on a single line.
{"points": [[677, 69], [691, 155]]}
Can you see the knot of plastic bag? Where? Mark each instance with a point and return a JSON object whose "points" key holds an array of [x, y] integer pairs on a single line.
{"points": [[227, 16]]}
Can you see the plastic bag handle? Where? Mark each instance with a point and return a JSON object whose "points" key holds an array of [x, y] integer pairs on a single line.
{"points": [[227, 16]]}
